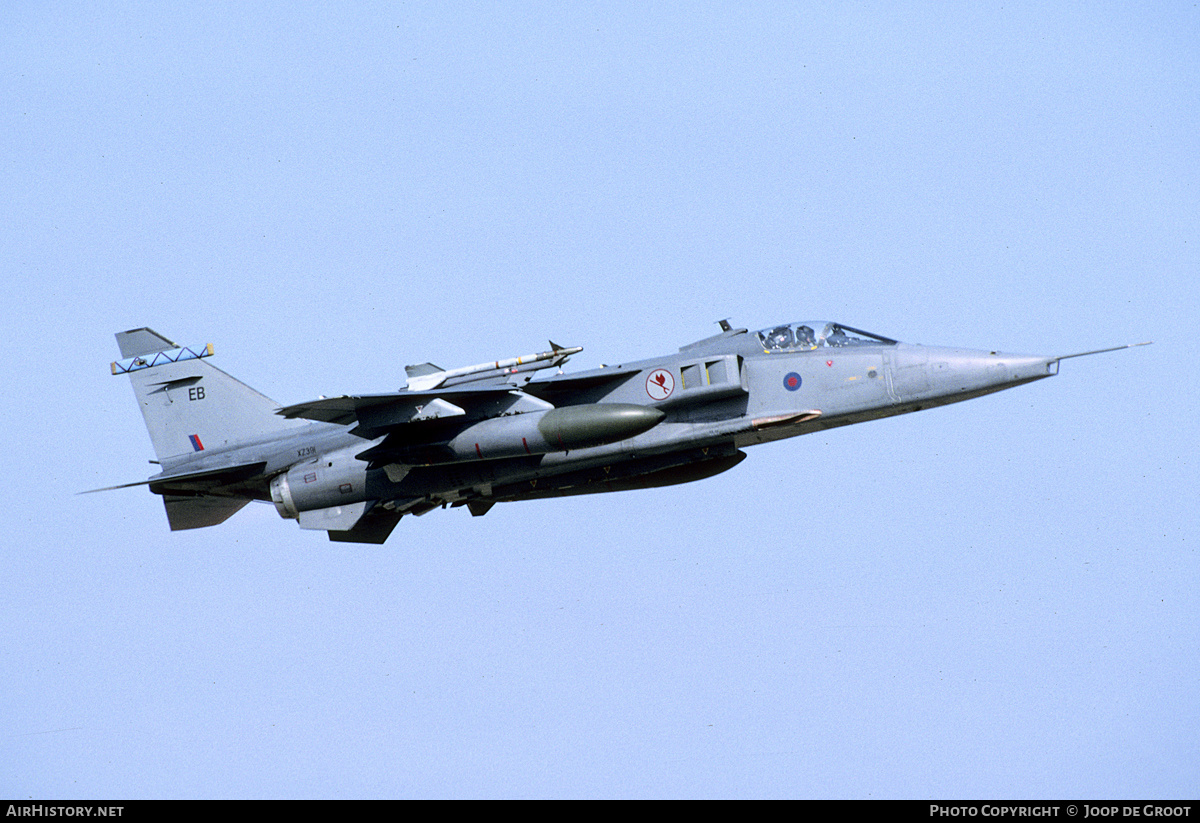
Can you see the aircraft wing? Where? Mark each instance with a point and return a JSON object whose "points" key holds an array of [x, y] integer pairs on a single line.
{"points": [[562, 387], [377, 414]]}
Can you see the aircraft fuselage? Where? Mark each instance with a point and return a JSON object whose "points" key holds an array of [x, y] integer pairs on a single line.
{"points": [[485, 434]]}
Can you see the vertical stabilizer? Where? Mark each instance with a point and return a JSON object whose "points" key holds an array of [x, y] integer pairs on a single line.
{"points": [[190, 406]]}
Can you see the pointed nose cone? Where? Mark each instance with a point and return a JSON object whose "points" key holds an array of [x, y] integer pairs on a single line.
{"points": [[1025, 368], [923, 372]]}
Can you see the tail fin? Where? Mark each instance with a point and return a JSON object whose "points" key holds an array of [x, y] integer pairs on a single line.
{"points": [[188, 405]]}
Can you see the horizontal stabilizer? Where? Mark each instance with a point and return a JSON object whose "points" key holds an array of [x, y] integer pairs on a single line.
{"points": [[205, 480], [198, 512], [193, 481]]}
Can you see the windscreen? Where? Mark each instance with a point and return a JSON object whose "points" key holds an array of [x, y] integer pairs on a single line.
{"points": [[811, 335]]}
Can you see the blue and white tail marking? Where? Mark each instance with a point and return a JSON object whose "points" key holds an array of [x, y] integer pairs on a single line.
{"points": [[159, 358]]}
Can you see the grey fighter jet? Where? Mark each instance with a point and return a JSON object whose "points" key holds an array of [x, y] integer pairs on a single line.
{"points": [[499, 431]]}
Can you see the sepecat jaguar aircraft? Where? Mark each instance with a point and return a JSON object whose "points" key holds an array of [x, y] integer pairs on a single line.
{"points": [[491, 433]]}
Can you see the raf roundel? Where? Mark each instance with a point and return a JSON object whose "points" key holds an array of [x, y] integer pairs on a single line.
{"points": [[792, 381]]}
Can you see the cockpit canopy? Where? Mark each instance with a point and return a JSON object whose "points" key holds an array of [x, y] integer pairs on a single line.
{"points": [[817, 334]]}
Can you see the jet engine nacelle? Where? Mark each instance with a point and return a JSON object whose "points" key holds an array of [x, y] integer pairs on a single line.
{"points": [[333, 479]]}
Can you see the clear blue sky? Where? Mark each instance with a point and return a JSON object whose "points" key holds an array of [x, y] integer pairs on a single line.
{"points": [[995, 599]]}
